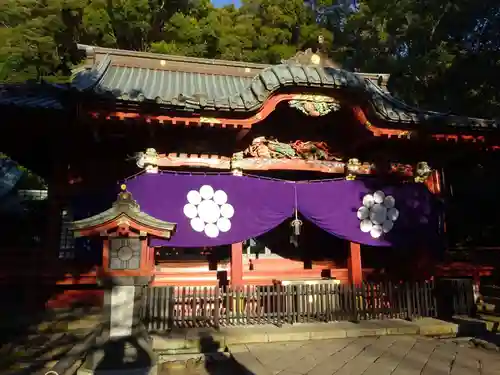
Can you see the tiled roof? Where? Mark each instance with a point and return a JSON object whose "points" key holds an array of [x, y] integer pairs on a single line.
{"points": [[30, 96], [217, 92], [390, 109], [195, 84], [163, 86], [197, 91]]}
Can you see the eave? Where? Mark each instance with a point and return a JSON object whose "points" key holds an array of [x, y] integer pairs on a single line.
{"points": [[100, 95], [108, 220], [467, 135], [125, 212], [240, 94]]}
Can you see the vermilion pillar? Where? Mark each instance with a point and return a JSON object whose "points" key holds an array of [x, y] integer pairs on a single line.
{"points": [[237, 264], [354, 267], [433, 182]]}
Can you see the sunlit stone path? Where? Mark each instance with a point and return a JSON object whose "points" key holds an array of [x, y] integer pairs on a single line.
{"points": [[397, 355]]}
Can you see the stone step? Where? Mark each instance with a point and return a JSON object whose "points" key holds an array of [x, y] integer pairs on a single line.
{"points": [[491, 299], [486, 307], [189, 363], [478, 326], [210, 340], [491, 322], [490, 317]]}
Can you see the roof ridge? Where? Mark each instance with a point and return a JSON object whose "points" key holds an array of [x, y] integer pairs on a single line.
{"points": [[164, 59], [91, 51], [87, 79]]}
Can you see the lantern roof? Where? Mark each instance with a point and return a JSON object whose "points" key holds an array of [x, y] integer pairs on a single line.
{"points": [[124, 211]]}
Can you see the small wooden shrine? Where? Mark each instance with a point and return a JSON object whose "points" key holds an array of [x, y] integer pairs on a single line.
{"points": [[128, 113]]}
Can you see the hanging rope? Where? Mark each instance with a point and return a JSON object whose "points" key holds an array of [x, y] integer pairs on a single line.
{"points": [[296, 224]]}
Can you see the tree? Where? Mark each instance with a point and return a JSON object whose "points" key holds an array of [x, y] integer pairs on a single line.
{"points": [[37, 37], [441, 55], [264, 31]]}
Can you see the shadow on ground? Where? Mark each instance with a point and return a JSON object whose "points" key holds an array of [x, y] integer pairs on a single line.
{"points": [[214, 361], [33, 336], [32, 342]]}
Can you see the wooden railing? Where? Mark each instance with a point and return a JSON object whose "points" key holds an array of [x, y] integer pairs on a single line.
{"points": [[168, 307]]}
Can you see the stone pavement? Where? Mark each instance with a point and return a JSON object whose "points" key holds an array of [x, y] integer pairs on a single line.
{"points": [[383, 355]]}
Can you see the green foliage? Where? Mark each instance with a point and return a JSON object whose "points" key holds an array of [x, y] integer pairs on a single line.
{"points": [[264, 31], [441, 55], [36, 37]]}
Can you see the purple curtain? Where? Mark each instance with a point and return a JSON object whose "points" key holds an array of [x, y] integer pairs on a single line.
{"points": [[399, 215], [213, 210]]}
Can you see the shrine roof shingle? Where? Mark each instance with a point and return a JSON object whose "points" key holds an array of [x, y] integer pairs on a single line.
{"points": [[217, 85], [197, 85], [169, 86], [29, 96]]}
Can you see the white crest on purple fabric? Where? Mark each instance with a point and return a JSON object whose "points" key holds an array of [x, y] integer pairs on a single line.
{"points": [[377, 214], [209, 211]]}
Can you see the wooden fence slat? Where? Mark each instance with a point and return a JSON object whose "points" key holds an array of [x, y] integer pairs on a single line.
{"points": [[169, 307]]}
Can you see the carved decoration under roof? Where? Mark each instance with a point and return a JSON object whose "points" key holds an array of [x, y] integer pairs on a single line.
{"points": [[422, 171], [268, 148], [148, 160], [314, 105], [246, 162], [353, 167], [125, 211]]}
